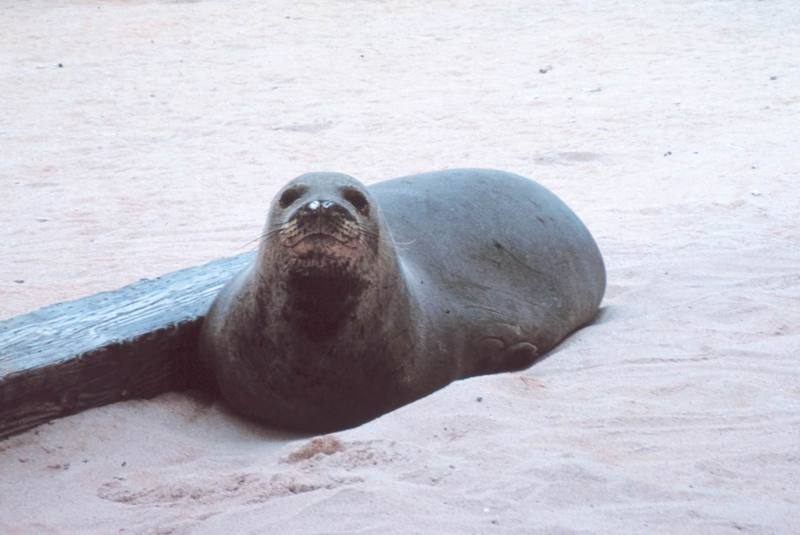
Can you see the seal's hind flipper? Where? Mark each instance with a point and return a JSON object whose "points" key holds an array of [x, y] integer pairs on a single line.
{"points": [[497, 355], [519, 356]]}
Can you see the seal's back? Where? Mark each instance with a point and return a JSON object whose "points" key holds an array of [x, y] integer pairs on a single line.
{"points": [[503, 256]]}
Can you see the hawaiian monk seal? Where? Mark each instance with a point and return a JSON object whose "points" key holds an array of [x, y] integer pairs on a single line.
{"points": [[361, 299]]}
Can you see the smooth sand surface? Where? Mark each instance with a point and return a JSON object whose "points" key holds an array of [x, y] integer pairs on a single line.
{"points": [[672, 128]]}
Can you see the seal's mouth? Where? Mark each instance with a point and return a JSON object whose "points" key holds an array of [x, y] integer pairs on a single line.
{"points": [[321, 244], [322, 239]]}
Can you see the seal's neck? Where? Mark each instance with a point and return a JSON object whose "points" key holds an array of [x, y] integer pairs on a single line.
{"points": [[323, 301], [347, 341], [319, 304]]}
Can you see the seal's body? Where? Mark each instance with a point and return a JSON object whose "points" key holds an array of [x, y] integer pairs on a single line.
{"points": [[360, 300]]}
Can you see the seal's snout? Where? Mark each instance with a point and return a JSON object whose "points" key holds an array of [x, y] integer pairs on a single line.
{"points": [[321, 226], [323, 216]]}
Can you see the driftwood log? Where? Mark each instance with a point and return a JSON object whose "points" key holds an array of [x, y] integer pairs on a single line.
{"points": [[135, 342]]}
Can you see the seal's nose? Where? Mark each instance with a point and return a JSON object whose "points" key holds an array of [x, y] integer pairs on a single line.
{"points": [[318, 209], [316, 205]]}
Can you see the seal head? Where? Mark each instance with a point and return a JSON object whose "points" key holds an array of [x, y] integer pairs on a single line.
{"points": [[323, 247]]}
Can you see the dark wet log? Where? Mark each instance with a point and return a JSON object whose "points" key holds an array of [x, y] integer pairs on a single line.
{"points": [[135, 342]]}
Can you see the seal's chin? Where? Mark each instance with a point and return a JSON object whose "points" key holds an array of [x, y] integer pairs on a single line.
{"points": [[323, 255]]}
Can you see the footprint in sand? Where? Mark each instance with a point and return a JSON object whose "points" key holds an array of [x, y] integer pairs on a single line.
{"points": [[244, 488], [334, 453]]}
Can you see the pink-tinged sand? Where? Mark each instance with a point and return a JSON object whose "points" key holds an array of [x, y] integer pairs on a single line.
{"points": [[672, 128]]}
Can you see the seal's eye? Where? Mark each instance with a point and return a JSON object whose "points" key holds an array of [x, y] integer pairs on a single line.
{"points": [[291, 195], [357, 199]]}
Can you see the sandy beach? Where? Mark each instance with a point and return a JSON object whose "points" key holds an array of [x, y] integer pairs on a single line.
{"points": [[141, 137]]}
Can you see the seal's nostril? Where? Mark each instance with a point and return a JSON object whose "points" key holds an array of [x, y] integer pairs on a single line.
{"points": [[313, 205], [327, 204]]}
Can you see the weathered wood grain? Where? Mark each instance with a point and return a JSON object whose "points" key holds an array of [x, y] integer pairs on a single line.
{"points": [[134, 342]]}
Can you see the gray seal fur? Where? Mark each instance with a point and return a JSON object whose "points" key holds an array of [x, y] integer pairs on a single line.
{"points": [[362, 299]]}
